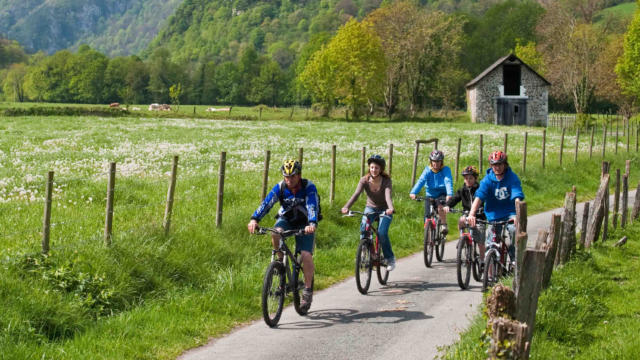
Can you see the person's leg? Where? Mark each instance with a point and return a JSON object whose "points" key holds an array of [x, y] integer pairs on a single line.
{"points": [[281, 224], [511, 228], [479, 236], [305, 245], [443, 216], [383, 233], [368, 215], [462, 223]]}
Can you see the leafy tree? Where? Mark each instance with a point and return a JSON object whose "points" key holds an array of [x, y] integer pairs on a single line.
{"points": [[227, 80], [85, 72], [47, 80], [319, 78], [11, 53], [628, 66], [13, 84], [175, 91], [530, 55], [269, 85]]}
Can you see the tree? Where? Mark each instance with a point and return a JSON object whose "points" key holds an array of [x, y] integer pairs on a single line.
{"points": [[11, 53], [570, 48], [319, 78], [85, 73], [175, 91], [13, 85], [628, 66], [607, 86], [268, 86], [530, 55]]}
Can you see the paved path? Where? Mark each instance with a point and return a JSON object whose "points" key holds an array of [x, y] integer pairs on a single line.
{"points": [[419, 310]]}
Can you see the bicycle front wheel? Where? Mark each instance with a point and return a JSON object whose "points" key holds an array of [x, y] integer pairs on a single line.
{"points": [[442, 239], [463, 262], [429, 236], [382, 272], [363, 266], [491, 271], [475, 258], [273, 292]]}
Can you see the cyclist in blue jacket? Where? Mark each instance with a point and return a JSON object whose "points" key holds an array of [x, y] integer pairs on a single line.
{"points": [[499, 190], [438, 184], [298, 199]]}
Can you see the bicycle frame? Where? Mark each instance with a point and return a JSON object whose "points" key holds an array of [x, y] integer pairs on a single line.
{"points": [[369, 228], [498, 244], [288, 255]]}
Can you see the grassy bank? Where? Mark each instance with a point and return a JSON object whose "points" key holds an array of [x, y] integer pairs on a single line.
{"points": [[590, 311], [152, 296]]}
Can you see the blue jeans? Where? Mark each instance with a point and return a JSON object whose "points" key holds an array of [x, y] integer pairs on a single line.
{"points": [[511, 229], [383, 230]]}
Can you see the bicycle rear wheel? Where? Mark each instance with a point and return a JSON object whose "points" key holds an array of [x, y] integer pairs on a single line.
{"points": [[363, 266], [441, 240], [297, 287], [463, 262], [475, 258], [429, 235], [273, 292]]}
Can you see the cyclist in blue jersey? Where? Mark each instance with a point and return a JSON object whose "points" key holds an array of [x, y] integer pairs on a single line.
{"points": [[438, 183], [499, 190], [298, 200]]}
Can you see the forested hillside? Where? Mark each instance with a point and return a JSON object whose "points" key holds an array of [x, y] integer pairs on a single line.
{"points": [[114, 27]]}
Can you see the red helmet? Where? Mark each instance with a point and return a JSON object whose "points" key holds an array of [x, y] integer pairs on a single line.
{"points": [[497, 157]]}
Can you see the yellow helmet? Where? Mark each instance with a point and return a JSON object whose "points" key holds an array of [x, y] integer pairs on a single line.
{"points": [[291, 167]]}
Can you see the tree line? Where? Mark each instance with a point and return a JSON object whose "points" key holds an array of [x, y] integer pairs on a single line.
{"points": [[399, 58]]}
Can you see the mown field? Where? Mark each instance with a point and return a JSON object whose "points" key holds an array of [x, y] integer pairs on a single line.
{"points": [[151, 295]]}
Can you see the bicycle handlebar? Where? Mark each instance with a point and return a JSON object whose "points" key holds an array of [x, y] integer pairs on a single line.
{"points": [[424, 198], [464, 212], [283, 233], [353, 213], [494, 223]]}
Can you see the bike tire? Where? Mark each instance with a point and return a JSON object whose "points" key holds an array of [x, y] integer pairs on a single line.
{"points": [[273, 292], [463, 263], [428, 245], [440, 246], [363, 266], [382, 273], [477, 271], [297, 287], [491, 272]]}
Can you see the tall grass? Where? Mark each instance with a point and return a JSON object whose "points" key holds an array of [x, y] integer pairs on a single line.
{"points": [[152, 296]]}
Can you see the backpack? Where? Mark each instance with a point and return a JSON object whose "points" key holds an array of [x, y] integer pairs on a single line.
{"points": [[294, 215]]}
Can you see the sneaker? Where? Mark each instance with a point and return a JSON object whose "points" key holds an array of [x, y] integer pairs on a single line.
{"points": [[391, 264], [307, 297]]}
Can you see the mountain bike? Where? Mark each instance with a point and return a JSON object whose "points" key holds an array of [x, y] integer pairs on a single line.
{"points": [[496, 264], [468, 256], [369, 255], [433, 237], [282, 278]]}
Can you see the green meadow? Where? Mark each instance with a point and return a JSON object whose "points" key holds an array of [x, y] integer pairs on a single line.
{"points": [[152, 295]]}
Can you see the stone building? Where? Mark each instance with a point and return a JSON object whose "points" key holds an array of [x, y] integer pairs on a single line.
{"points": [[509, 92]]}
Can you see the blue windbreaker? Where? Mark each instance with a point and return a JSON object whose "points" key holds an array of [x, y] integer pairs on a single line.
{"points": [[437, 184], [307, 196], [500, 196]]}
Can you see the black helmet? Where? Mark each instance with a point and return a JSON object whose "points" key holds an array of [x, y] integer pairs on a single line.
{"points": [[470, 170], [436, 155], [378, 160], [291, 167]]}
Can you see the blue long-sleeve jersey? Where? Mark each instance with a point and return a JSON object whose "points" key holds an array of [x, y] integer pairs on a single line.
{"points": [[307, 196], [500, 196], [437, 184]]}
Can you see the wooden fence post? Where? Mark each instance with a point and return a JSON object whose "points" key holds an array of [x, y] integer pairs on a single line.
{"points": [[605, 225], [457, 159], [575, 158], [46, 220], [223, 163], [636, 205], [628, 131], [506, 141], [616, 201], [625, 200], [568, 229], [300, 155], [172, 188], [390, 162], [637, 132], [480, 156], [332, 190], [260, 116], [596, 214], [585, 221], [108, 222], [562, 145], [529, 291], [265, 174], [364, 160], [544, 144], [604, 141], [524, 153], [291, 114], [627, 167], [521, 237], [616, 148], [415, 163], [552, 248], [591, 142]]}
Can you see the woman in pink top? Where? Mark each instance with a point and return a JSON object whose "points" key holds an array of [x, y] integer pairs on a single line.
{"points": [[377, 185]]}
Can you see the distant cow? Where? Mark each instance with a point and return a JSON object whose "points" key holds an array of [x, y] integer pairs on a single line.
{"points": [[114, 105], [154, 107], [165, 107], [218, 109]]}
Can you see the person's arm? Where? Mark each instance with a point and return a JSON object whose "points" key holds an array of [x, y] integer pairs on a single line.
{"points": [[454, 200], [354, 197], [264, 208], [388, 199], [311, 202], [471, 218], [516, 189], [420, 183], [448, 182]]}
